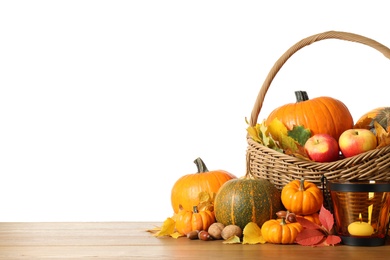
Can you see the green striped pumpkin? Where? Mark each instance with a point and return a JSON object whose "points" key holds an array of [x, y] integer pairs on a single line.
{"points": [[244, 200]]}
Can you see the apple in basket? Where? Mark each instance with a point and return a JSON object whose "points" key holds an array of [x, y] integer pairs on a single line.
{"points": [[356, 141], [322, 148]]}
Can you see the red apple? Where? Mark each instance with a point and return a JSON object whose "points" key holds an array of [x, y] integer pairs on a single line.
{"points": [[322, 148], [356, 141]]}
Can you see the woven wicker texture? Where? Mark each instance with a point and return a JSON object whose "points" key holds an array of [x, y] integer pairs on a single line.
{"points": [[280, 168]]}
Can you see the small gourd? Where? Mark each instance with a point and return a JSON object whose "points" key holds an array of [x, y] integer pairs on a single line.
{"points": [[278, 231], [187, 221], [302, 197]]}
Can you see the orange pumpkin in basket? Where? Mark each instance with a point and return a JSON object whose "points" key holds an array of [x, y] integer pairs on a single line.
{"points": [[322, 115]]}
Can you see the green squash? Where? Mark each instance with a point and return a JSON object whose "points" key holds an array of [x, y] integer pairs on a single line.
{"points": [[244, 200]]}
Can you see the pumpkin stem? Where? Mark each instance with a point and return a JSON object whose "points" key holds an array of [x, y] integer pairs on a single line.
{"points": [[283, 222], [195, 209], [301, 96], [302, 185], [200, 165]]}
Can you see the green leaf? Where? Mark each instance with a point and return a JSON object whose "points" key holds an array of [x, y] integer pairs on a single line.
{"points": [[299, 134]]}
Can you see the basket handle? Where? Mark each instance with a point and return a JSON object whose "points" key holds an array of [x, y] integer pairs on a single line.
{"points": [[299, 45]]}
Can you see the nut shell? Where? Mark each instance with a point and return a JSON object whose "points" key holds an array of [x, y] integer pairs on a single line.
{"points": [[215, 230], [231, 230]]}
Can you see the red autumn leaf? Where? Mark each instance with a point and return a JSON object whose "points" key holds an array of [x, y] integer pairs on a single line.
{"points": [[332, 240], [310, 237], [326, 219], [305, 223], [317, 235]]}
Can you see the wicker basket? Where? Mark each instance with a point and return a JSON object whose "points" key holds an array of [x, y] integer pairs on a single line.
{"points": [[280, 169]]}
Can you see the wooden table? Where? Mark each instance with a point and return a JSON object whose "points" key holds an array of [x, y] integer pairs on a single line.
{"points": [[129, 240]]}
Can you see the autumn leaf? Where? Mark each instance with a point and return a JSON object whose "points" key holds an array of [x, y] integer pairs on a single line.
{"points": [[318, 235], [166, 229], [326, 219], [254, 134], [232, 240], [176, 235], [260, 134], [206, 201], [299, 134], [332, 240], [307, 224], [276, 136], [252, 234], [310, 237], [383, 137], [277, 129]]}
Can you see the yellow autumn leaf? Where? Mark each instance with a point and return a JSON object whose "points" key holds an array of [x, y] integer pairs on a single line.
{"points": [[206, 201], [277, 129], [232, 240], [177, 235], [254, 134], [252, 234], [167, 228]]}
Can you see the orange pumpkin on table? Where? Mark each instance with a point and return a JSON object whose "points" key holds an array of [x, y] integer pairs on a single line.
{"points": [[278, 231], [187, 221], [302, 197], [187, 188]]}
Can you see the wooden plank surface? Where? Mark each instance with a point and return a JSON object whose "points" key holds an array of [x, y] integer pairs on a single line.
{"points": [[128, 240]]}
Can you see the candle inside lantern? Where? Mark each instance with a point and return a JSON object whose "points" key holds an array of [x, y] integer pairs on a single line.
{"points": [[360, 228]]}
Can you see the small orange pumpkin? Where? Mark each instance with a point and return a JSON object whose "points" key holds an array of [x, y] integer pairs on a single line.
{"points": [[302, 197], [278, 231], [187, 221], [186, 189], [322, 115]]}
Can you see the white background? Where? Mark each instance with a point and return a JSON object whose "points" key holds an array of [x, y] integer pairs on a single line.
{"points": [[105, 104]]}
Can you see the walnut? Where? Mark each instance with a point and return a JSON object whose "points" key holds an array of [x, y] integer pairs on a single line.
{"points": [[231, 230], [215, 230]]}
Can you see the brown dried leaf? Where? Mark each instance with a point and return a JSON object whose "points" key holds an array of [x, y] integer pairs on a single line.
{"points": [[382, 135]]}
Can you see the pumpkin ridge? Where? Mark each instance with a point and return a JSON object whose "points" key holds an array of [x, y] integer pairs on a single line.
{"points": [[252, 204]]}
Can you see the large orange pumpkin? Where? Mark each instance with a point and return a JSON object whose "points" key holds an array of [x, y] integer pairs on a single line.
{"points": [[186, 189], [322, 115]]}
